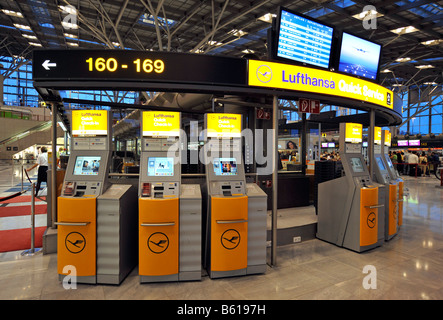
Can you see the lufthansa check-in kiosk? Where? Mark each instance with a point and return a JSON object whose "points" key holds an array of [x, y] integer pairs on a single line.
{"points": [[95, 233], [348, 207], [169, 212], [390, 191], [386, 137], [236, 211]]}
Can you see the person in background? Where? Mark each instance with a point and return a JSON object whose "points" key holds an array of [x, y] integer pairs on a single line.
{"points": [[423, 161], [291, 145], [413, 163], [42, 163], [406, 163], [400, 161], [394, 160]]}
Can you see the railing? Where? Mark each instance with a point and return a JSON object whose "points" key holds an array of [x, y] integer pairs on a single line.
{"points": [[26, 133], [425, 167]]}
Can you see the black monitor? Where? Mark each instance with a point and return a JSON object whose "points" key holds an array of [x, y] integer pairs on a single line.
{"points": [[359, 57], [302, 39]]}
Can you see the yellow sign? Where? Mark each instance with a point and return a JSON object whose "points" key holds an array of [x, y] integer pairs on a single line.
{"points": [[223, 125], [297, 78], [387, 138], [354, 133], [161, 123], [89, 122], [377, 135]]}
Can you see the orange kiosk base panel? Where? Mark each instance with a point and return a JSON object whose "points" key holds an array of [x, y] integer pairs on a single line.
{"points": [[229, 236], [76, 240], [158, 239], [368, 217], [400, 203]]}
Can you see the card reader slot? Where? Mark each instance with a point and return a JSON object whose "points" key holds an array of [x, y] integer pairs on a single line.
{"points": [[230, 221], [157, 224], [63, 223], [375, 206], [81, 187]]}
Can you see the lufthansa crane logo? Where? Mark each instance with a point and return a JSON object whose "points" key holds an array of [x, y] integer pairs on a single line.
{"points": [[230, 239], [371, 220], [75, 242], [264, 73], [158, 242]]}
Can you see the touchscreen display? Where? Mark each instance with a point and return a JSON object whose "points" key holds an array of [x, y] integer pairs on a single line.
{"points": [[160, 166], [86, 165], [225, 166], [356, 164], [381, 165]]}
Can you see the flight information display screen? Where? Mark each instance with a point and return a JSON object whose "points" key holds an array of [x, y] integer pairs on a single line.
{"points": [[225, 166], [359, 57], [304, 40], [86, 165], [160, 167]]}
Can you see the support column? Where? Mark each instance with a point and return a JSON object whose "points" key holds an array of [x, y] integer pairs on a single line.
{"points": [[371, 143], [54, 164], [274, 180]]}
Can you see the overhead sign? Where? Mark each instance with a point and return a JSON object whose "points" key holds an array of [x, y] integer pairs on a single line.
{"points": [[132, 65], [161, 123], [89, 122], [308, 106], [223, 125], [293, 77], [354, 133]]}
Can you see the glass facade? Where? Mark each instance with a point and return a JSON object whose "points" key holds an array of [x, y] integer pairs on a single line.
{"points": [[19, 91]]}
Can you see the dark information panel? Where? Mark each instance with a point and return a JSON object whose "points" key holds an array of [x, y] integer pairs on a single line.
{"points": [[128, 65]]}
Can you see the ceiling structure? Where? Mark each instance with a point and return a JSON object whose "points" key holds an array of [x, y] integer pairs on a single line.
{"points": [[224, 27]]}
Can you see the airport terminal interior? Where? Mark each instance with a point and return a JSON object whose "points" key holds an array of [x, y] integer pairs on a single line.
{"points": [[221, 150]]}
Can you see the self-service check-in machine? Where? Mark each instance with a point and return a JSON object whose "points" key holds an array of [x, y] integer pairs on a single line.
{"points": [[390, 191], [169, 211], [386, 137], [95, 219], [348, 207], [236, 211]]}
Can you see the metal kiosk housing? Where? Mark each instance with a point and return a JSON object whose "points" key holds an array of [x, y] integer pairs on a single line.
{"points": [[95, 219], [348, 207], [169, 211], [236, 211]]}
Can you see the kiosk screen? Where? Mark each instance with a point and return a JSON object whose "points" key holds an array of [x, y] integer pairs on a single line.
{"points": [[381, 164], [388, 160], [86, 165], [225, 166], [356, 164], [160, 166]]}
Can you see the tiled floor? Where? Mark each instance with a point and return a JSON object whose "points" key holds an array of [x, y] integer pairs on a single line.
{"points": [[410, 266]]}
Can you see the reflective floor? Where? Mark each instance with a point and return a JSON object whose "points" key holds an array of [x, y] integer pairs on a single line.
{"points": [[410, 266]]}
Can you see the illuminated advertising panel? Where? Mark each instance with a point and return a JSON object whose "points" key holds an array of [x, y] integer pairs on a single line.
{"points": [[161, 123], [223, 125], [354, 133], [89, 122]]}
